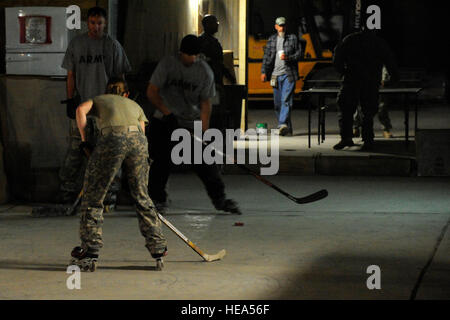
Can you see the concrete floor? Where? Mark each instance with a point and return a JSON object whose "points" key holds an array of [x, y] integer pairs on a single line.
{"points": [[283, 250]]}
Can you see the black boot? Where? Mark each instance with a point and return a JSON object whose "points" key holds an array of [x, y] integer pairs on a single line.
{"points": [[344, 143], [227, 205], [368, 145]]}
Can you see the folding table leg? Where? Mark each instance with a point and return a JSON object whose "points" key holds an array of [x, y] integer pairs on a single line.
{"points": [[406, 106], [309, 124]]}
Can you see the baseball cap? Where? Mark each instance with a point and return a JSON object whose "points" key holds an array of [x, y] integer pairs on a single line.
{"points": [[280, 21], [190, 45]]}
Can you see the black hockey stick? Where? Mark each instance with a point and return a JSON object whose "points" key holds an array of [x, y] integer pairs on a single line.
{"points": [[316, 196]]}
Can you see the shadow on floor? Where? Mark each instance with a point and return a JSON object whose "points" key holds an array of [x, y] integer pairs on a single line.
{"points": [[346, 277], [32, 266], [395, 147], [387, 147], [58, 267]]}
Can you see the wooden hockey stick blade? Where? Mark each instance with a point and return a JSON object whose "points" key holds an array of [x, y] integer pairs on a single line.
{"points": [[316, 196], [213, 257], [205, 256]]}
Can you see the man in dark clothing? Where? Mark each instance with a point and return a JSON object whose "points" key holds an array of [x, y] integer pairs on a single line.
{"points": [[360, 58], [211, 48], [212, 51]]}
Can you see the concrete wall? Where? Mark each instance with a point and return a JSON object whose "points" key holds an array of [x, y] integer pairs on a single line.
{"points": [[34, 127], [155, 28], [83, 4], [3, 180], [34, 133], [227, 12]]}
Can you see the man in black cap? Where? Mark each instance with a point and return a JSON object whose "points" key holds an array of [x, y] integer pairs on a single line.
{"points": [[181, 88]]}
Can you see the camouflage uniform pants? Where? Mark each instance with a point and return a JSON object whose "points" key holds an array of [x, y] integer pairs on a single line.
{"points": [[74, 167], [113, 150]]}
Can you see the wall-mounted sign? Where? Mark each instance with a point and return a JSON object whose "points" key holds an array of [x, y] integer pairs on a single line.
{"points": [[35, 29]]}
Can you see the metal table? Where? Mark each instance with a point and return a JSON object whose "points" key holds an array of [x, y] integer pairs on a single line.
{"points": [[321, 108]]}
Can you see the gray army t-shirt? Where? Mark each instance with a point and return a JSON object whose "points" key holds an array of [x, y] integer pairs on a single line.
{"points": [[182, 88], [94, 62]]}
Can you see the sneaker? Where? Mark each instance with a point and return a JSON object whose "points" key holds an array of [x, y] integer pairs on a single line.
{"points": [[283, 130], [343, 143], [227, 205], [387, 134]]}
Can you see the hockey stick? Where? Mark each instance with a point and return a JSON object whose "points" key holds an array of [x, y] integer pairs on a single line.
{"points": [[205, 256], [56, 210], [316, 196], [71, 211]]}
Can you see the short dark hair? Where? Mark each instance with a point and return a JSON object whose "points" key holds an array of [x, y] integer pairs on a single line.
{"points": [[209, 18], [190, 45], [97, 11], [117, 86]]}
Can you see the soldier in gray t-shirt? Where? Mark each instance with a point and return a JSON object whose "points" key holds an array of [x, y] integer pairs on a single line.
{"points": [[181, 88], [91, 60]]}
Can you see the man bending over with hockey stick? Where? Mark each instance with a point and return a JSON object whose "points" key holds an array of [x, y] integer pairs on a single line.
{"points": [[122, 140]]}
